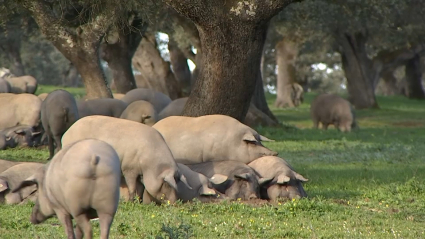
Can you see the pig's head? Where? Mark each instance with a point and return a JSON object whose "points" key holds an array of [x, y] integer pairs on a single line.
{"points": [[167, 186], [207, 191], [250, 147], [25, 136], [284, 186], [245, 186], [42, 209]]}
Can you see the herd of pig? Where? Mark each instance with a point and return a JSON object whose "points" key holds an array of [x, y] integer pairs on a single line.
{"points": [[104, 149]]}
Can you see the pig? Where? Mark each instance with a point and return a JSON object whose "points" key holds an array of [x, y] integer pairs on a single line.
{"points": [[58, 112], [22, 84], [243, 182], [202, 186], [105, 106], [22, 109], [5, 164], [5, 142], [81, 182], [332, 109], [21, 135], [285, 183], [142, 152], [157, 99], [4, 86], [10, 193], [43, 96], [118, 96], [175, 108], [211, 138], [140, 111]]}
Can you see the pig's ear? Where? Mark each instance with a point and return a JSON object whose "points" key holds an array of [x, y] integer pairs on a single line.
{"points": [[300, 177], [282, 179], [169, 178], [249, 138], [218, 179], [244, 176], [27, 182], [263, 138], [3, 185], [206, 191], [183, 179], [264, 181]]}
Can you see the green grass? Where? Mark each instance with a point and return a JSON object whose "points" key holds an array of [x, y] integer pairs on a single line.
{"points": [[366, 184]]}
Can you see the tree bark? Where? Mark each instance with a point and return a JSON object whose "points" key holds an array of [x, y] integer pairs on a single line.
{"points": [[119, 49], [180, 67], [413, 74], [359, 70], [232, 35], [79, 45], [286, 53], [154, 69]]}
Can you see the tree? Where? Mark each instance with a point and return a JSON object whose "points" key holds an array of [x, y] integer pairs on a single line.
{"points": [[232, 35]]}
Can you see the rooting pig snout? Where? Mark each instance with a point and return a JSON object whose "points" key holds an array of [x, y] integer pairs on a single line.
{"points": [[252, 196]]}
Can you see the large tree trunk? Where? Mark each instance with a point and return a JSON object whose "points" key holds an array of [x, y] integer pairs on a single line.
{"points": [[232, 35], [413, 74], [359, 70], [12, 48], [286, 53], [154, 69], [180, 67], [79, 45], [118, 50]]}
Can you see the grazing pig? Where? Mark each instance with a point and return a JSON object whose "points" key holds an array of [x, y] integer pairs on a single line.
{"points": [[43, 96], [142, 151], [105, 106], [81, 182], [211, 138], [286, 182], [175, 108], [243, 182], [157, 99], [22, 84], [5, 164], [22, 109], [140, 111], [202, 186], [58, 112], [10, 193], [332, 109], [4, 86], [21, 135]]}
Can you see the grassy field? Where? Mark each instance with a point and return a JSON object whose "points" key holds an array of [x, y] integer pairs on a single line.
{"points": [[366, 184]]}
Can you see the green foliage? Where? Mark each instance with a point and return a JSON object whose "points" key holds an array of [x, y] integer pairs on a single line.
{"points": [[364, 184]]}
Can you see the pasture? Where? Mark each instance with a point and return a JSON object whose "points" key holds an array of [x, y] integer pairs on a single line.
{"points": [[368, 183]]}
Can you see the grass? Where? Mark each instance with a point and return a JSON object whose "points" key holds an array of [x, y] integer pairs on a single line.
{"points": [[366, 184]]}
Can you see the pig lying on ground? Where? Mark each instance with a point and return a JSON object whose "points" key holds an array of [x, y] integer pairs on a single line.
{"points": [[58, 112], [105, 106], [10, 193], [81, 182], [141, 149], [5, 164], [157, 99], [20, 135], [286, 182], [175, 108], [4, 86], [22, 109], [22, 84], [140, 111], [332, 109], [211, 138], [243, 182]]}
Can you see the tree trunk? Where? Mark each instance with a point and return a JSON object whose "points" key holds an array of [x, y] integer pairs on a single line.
{"points": [[389, 86], [413, 74], [118, 50], [359, 70], [12, 49], [154, 69], [80, 45], [180, 67], [232, 35], [286, 53]]}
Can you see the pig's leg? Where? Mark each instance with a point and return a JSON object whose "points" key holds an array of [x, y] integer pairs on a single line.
{"points": [[66, 221], [51, 146], [105, 221], [58, 143], [83, 227], [130, 180]]}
